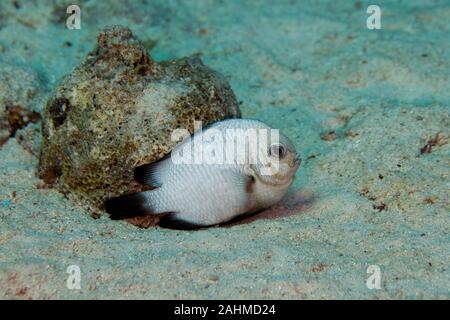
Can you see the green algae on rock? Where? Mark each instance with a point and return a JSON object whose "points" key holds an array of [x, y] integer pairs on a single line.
{"points": [[117, 110]]}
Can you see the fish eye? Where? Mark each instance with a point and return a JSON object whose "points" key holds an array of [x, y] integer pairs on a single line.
{"points": [[277, 150]]}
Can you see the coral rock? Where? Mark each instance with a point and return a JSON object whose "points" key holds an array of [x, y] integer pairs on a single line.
{"points": [[117, 110]]}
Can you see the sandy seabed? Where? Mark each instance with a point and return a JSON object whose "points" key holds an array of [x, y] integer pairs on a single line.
{"points": [[368, 110]]}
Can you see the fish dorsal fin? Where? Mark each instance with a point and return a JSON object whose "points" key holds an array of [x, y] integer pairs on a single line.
{"points": [[151, 173]]}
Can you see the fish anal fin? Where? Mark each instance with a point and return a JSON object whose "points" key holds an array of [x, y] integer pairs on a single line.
{"points": [[171, 221]]}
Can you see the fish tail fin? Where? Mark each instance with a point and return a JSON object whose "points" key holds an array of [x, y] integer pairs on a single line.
{"points": [[130, 205]]}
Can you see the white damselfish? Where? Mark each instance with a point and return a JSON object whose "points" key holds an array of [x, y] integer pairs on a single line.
{"points": [[231, 168]]}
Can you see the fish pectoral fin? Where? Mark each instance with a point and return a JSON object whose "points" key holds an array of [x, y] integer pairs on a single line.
{"points": [[128, 206], [151, 173], [243, 182]]}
